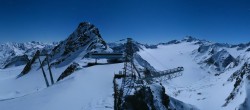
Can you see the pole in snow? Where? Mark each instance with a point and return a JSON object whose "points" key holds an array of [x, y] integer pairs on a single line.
{"points": [[50, 73], [44, 75]]}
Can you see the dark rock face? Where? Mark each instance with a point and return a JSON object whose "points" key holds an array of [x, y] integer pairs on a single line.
{"points": [[154, 98], [221, 59], [151, 46], [241, 46], [238, 76], [27, 67], [84, 39], [165, 98], [203, 48], [189, 39], [248, 50], [120, 48], [17, 52], [117, 48], [141, 100], [148, 98], [212, 48], [73, 67], [228, 60], [170, 42], [16, 61]]}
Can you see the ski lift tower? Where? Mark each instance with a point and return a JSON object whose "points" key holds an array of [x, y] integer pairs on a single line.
{"points": [[130, 78]]}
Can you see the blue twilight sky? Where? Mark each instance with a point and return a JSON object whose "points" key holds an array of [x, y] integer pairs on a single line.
{"points": [[147, 21]]}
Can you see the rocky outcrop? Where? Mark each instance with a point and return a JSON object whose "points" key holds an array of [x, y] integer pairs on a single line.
{"points": [[154, 97], [73, 67], [84, 39], [239, 77], [221, 60], [16, 61], [27, 67], [142, 99], [11, 53]]}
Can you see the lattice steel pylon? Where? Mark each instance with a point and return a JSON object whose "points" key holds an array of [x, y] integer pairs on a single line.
{"points": [[131, 78], [128, 77], [128, 70]]}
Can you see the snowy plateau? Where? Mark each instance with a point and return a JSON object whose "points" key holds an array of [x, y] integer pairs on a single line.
{"points": [[215, 76]]}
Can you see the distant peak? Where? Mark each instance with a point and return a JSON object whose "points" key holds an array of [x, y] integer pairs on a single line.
{"points": [[190, 39]]}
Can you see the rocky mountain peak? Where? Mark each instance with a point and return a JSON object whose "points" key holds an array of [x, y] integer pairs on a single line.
{"points": [[190, 39], [84, 39], [13, 53]]}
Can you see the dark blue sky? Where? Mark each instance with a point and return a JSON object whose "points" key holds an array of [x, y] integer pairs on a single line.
{"points": [[149, 21]]}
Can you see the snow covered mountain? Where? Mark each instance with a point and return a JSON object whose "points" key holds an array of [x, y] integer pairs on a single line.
{"points": [[215, 76], [84, 39], [15, 54]]}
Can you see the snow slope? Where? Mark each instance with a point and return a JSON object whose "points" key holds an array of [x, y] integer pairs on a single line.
{"points": [[172, 56], [199, 85], [86, 89], [215, 76], [90, 88]]}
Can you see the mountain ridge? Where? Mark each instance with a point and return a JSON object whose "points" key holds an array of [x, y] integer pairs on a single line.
{"points": [[208, 67]]}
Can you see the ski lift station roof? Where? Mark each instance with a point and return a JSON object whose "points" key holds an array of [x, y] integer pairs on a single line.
{"points": [[106, 55]]}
